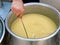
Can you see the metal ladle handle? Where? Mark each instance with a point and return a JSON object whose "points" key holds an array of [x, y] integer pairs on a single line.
{"points": [[24, 28]]}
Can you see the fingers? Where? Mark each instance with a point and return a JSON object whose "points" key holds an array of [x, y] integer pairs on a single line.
{"points": [[21, 14]]}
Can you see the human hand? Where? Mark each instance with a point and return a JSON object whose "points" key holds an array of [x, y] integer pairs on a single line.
{"points": [[17, 8]]}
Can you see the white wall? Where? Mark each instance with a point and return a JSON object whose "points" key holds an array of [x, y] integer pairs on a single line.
{"points": [[55, 3]]}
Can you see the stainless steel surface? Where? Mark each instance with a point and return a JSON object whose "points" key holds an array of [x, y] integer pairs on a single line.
{"points": [[59, 37], [41, 8], [2, 33]]}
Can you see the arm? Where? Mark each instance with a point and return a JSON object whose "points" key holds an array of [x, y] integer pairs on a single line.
{"points": [[17, 7]]}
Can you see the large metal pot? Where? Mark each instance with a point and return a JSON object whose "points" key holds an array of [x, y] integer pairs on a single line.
{"points": [[41, 8]]}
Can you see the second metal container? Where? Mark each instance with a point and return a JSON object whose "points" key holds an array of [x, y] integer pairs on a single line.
{"points": [[2, 30], [41, 8]]}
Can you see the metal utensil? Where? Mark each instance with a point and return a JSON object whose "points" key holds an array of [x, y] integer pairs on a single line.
{"points": [[24, 27]]}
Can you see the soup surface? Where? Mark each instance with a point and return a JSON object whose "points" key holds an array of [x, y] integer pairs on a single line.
{"points": [[36, 25]]}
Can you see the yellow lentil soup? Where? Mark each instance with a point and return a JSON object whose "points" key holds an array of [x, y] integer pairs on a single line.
{"points": [[37, 26]]}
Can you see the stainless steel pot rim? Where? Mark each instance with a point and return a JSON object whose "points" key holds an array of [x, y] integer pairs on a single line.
{"points": [[3, 29], [40, 39]]}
